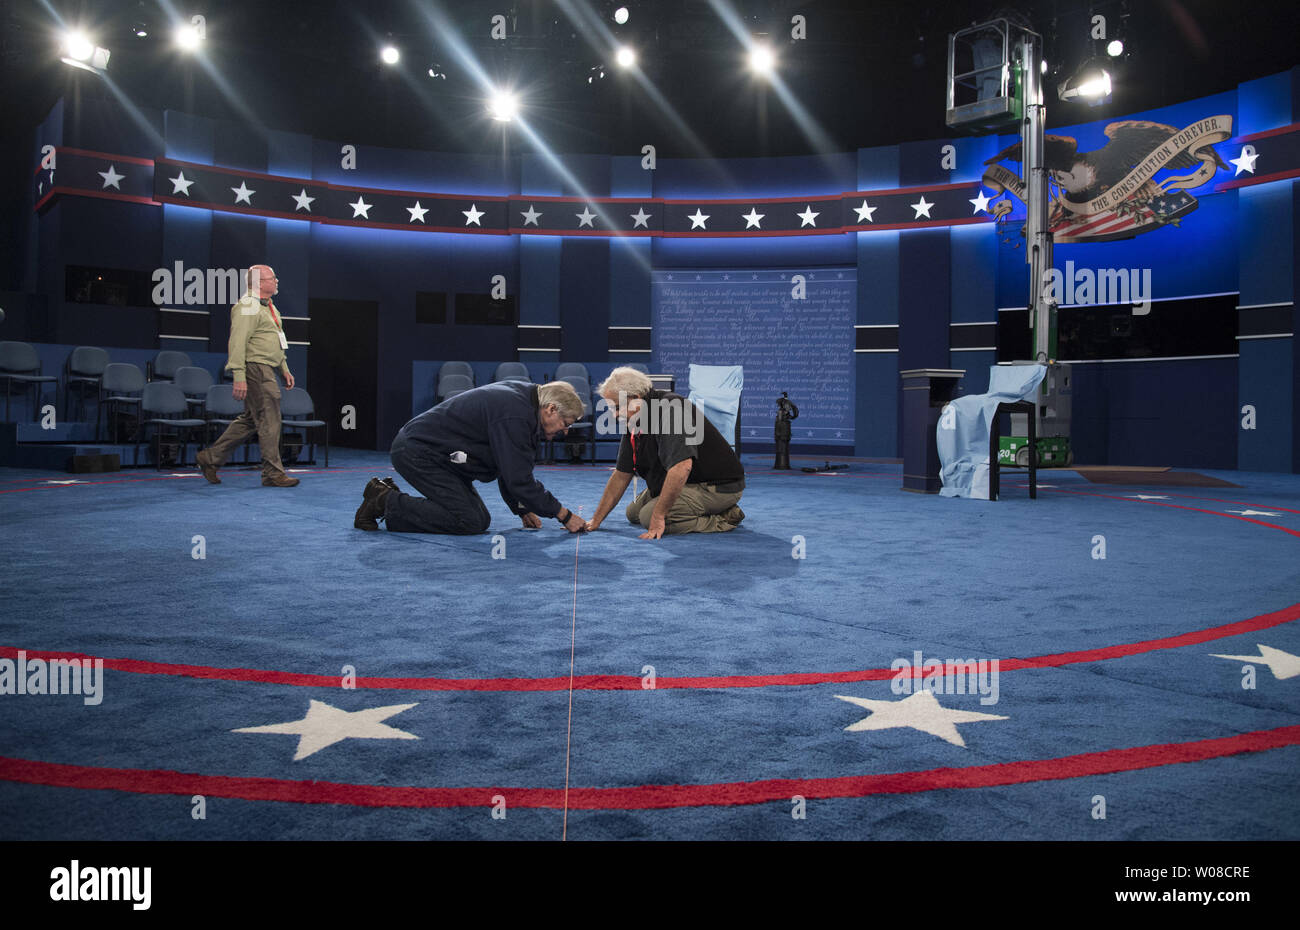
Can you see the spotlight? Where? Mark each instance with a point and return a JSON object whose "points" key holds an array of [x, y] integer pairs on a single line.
{"points": [[761, 60], [620, 15], [77, 45], [390, 55], [1115, 48], [80, 52], [625, 57], [1091, 84], [188, 37], [503, 106]]}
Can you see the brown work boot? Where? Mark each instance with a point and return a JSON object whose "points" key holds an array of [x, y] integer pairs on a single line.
{"points": [[207, 466], [279, 481], [373, 501]]}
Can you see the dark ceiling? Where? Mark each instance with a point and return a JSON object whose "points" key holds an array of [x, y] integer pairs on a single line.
{"points": [[869, 73]]}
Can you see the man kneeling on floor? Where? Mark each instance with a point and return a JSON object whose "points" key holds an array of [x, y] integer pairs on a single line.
{"points": [[489, 432], [693, 478]]}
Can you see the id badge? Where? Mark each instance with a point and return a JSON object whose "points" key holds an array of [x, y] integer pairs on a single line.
{"points": [[284, 343]]}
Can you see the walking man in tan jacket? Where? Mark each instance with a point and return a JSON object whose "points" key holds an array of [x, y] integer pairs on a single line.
{"points": [[256, 353]]}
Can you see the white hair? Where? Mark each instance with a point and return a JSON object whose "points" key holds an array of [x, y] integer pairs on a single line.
{"points": [[626, 381], [565, 398]]}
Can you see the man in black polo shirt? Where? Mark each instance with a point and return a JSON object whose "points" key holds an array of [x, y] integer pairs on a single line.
{"points": [[693, 478], [489, 433]]}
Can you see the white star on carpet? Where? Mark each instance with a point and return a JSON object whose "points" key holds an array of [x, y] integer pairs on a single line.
{"points": [[530, 216], [180, 185], [1150, 497], [864, 213], [184, 474], [1255, 513], [325, 725], [981, 202], [922, 209], [1245, 161], [585, 217], [1283, 665], [472, 215], [919, 711], [640, 218], [808, 216], [65, 482], [417, 212], [360, 208], [697, 219], [111, 177], [752, 218], [243, 193], [303, 201]]}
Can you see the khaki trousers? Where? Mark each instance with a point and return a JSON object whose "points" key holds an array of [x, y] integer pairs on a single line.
{"points": [[261, 416], [698, 509]]}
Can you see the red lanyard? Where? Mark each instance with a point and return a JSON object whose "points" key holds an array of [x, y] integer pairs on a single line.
{"points": [[274, 317], [631, 438]]}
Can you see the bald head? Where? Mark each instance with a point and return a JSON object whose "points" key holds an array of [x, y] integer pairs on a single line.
{"points": [[262, 282]]}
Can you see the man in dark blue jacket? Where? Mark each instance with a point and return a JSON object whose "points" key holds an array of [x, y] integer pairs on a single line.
{"points": [[484, 434]]}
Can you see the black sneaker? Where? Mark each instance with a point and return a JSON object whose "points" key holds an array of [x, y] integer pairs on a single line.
{"points": [[372, 504]]}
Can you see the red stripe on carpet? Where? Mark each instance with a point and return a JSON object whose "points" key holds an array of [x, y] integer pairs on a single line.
{"points": [[633, 683], [154, 781]]}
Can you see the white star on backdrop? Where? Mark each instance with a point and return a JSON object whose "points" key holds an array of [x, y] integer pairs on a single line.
{"points": [[325, 725], [243, 193], [472, 215], [864, 213], [1255, 513], [417, 212], [1283, 665], [360, 208], [585, 217], [981, 202], [697, 219], [640, 217], [922, 209], [530, 216], [1245, 161], [111, 177], [303, 201], [180, 185], [808, 217], [752, 218], [919, 711]]}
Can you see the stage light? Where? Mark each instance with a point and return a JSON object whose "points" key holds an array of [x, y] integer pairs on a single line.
{"points": [[1115, 48], [625, 57], [390, 55], [78, 46], [503, 106], [141, 30], [1091, 84], [620, 15], [596, 73], [437, 71], [761, 60], [188, 37]]}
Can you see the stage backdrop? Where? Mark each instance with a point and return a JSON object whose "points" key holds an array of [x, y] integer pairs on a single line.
{"points": [[790, 335]]}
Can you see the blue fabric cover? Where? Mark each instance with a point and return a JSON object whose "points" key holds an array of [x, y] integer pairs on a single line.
{"points": [[715, 389], [964, 439]]}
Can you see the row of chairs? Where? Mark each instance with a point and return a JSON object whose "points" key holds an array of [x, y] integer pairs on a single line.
{"points": [[172, 414], [455, 377], [83, 373]]}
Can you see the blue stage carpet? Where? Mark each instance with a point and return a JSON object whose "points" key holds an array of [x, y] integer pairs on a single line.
{"points": [[306, 680]]}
